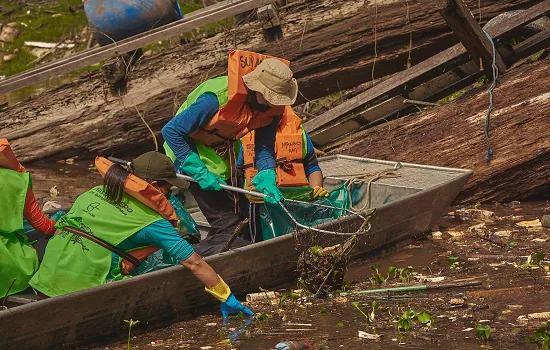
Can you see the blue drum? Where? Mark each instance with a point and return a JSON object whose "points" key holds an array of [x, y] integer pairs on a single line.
{"points": [[114, 20]]}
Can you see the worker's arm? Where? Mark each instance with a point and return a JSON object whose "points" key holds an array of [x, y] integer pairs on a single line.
{"points": [[161, 233], [313, 170], [177, 135], [176, 132], [36, 217], [264, 151]]}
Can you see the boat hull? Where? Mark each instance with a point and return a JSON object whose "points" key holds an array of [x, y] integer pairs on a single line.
{"points": [[166, 296]]}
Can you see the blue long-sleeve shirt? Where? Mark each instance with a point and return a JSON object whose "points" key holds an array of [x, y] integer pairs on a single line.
{"points": [[160, 233], [176, 132], [311, 164]]}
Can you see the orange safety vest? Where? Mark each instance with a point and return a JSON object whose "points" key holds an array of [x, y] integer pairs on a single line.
{"points": [[288, 152], [235, 118], [8, 159], [148, 195]]}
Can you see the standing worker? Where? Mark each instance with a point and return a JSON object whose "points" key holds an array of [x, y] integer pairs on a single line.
{"points": [[18, 259], [203, 138], [129, 211], [297, 165]]}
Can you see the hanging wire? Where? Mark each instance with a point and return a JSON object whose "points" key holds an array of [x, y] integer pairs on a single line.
{"points": [[494, 67]]}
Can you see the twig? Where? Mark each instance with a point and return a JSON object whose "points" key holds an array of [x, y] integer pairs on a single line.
{"points": [[149, 128], [7, 293], [236, 232], [375, 39], [422, 103]]}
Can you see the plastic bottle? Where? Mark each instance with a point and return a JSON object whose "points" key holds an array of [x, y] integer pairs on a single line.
{"points": [[292, 345]]}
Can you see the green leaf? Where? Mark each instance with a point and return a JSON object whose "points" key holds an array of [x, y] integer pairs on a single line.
{"points": [[403, 325], [483, 332], [539, 257], [323, 310], [425, 318], [340, 324], [392, 270], [409, 314], [355, 304], [261, 317]]}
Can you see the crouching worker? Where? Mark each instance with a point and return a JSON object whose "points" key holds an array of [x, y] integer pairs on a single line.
{"points": [[18, 259], [129, 211], [297, 165]]}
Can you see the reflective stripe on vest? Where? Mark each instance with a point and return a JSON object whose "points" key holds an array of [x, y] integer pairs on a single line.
{"points": [[290, 149], [72, 263]]}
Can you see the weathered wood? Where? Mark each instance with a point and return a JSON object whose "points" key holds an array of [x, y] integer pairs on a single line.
{"points": [[419, 73], [433, 90], [470, 33], [453, 135], [93, 56], [333, 54]]}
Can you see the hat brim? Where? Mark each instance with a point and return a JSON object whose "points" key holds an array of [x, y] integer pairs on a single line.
{"points": [[253, 83], [179, 183]]}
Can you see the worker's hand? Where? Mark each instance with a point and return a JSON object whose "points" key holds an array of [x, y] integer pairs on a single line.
{"points": [[266, 182], [253, 199], [195, 167], [232, 307], [319, 191]]}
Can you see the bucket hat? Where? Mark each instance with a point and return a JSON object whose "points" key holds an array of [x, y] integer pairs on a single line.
{"points": [[156, 166], [274, 80]]}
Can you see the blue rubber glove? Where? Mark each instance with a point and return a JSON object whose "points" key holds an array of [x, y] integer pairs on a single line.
{"points": [[266, 182], [232, 306], [194, 167]]}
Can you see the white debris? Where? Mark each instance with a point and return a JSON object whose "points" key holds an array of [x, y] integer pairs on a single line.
{"points": [[437, 235], [365, 335], [45, 45], [467, 329]]}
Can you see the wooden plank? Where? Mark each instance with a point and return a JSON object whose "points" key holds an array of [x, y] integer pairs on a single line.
{"points": [[470, 33], [420, 71], [433, 90], [219, 11]]}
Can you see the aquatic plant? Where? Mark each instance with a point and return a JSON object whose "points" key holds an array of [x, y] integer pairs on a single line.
{"points": [[483, 332], [130, 324], [406, 320], [541, 337]]}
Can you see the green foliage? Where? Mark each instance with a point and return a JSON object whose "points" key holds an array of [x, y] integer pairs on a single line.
{"points": [[403, 274], [483, 333], [453, 264], [541, 337], [340, 324], [535, 260], [261, 317], [406, 320], [371, 315], [131, 323]]}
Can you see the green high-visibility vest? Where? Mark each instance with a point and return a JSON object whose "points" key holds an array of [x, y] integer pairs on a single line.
{"points": [[72, 263], [18, 259], [216, 164]]}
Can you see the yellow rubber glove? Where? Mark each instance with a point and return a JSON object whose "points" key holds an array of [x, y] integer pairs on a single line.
{"points": [[253, 199], [319, 191], [220, 291]]}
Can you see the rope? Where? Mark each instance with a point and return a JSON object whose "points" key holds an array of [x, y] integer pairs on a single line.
{"points": [[369, 179], [494, 67]]}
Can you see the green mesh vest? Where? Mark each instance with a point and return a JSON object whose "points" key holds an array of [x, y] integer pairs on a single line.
{"points": [[216, 164], [72, 263], [18, 260]]}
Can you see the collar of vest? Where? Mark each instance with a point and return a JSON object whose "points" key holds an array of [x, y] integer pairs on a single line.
{"points": [[143, 192]]}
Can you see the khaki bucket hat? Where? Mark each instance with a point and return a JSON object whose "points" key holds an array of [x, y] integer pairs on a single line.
{"points": [[274, 80], [156, 166]]}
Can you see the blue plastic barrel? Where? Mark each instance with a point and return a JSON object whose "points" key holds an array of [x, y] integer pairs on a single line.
{"points": [[114, 20]]}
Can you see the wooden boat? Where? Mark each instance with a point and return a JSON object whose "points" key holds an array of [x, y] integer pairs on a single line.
{"points": [[405, 206]]}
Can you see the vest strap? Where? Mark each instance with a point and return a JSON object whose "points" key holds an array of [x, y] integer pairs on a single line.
{"points": [[126, 256]]}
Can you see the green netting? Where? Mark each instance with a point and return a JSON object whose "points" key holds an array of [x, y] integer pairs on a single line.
{"points": [[275, 221], [187, 225]]}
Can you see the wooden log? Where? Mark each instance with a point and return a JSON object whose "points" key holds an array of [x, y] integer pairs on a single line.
{"points": [[92, 56], [433, 90], [453, 135], [335, 54], [418, 74], [470, 33]]}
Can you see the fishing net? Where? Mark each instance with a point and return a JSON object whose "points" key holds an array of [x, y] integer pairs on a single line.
{"points": [[322, 257], [276, 222]]}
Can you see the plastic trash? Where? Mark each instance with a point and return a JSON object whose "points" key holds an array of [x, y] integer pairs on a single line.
{"points": [[292, 345]]}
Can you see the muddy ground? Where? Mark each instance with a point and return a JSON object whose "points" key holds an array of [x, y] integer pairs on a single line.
{"points": [[508, 293]]}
